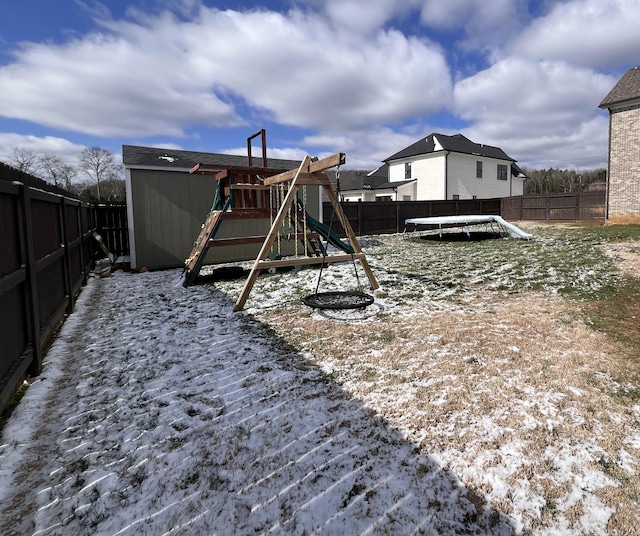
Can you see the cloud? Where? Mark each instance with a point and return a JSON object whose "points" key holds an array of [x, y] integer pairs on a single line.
{"points": [[587, 33], [61, 147], [532, 106], [487, 24], [161, 75]]}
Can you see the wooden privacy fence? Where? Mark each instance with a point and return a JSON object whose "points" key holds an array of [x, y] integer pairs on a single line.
{"points": [[576, 206], [111, 222], [379, 217], [46, 251]]}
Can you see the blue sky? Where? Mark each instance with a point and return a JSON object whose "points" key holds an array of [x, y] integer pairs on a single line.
{"points": [[363, 77]]}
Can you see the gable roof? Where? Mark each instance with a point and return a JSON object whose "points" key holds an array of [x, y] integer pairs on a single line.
{"points": [[627, 89], [134, 156], [369, 181], [457, 144]]}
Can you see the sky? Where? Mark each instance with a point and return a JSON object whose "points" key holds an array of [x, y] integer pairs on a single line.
{"points": [[366, 78]]}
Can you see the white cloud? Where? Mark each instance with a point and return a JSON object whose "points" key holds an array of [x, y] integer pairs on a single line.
{"points": [[367, 148], [588, 33], [536, 106], [159, 75], [365, 17], [487, 24], [65, 149]]}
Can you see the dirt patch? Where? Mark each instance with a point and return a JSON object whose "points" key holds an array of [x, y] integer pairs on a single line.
{"points": [[627, 256]]}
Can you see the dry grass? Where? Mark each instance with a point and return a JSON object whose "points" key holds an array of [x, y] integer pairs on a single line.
{"points": [[516, 383]]}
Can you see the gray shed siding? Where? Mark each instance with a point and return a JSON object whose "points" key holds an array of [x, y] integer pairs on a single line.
{"points": [[166, 210]]}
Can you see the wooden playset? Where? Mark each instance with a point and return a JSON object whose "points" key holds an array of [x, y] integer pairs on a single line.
{"points": [[262, 192]]}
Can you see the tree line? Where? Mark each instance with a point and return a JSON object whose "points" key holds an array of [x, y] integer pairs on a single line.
{"points": [[558, 181], [96, 177]]}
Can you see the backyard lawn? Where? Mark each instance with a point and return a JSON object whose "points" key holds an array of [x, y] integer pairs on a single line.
{"points": [[492, 388]]}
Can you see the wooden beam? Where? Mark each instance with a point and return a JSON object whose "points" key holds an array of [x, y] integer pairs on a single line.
{"points": [[212, 169], [303, 261], [248, 187], [319, 165], [240, 240], [271, 238], [351, 235]]}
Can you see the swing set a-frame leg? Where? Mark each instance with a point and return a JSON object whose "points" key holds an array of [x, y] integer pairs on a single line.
{"points": [[301, 177], [351, 236], [270, 239]]}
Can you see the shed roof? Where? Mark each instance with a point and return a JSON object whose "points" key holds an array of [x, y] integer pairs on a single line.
{"points": [[457, 143], [627, 89], [134, 156]]}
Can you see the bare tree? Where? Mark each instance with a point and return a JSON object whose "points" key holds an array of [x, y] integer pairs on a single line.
{"points": [[98, 164], [25, 160], [55, 170]]}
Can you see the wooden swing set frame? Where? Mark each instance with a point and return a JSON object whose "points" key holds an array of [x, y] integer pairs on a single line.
{"points": [[310, 172], [251, 199]]}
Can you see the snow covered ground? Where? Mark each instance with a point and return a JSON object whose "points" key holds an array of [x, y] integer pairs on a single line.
{"points": [[160, 411]]}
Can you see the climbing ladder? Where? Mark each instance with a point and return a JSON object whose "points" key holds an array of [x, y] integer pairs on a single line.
{"points": [[208, 230]]}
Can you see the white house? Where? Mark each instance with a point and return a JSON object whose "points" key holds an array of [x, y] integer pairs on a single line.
{"points": [[448, 167]]}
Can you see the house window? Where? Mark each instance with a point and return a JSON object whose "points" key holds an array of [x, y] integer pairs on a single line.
{"points": [[478, 169], [383, 198], [407, 170], [406, 198], [475, 197], [456, 197], [502, 172]]}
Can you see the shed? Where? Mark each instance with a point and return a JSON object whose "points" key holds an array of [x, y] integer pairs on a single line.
{"points": [[166, 205]]}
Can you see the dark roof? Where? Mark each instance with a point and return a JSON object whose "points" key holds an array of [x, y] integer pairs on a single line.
{"points": [[516, 171], [627, 88], [392, 185], [456, 143], [134, 156], [370, 181]]}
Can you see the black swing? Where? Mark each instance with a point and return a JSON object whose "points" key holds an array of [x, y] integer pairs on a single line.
{"points": [[339, 299]]}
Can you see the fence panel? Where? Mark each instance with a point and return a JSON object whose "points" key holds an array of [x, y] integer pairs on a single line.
{"points": [[45, 239], [379, 217], [111, 221], [575, 206]]}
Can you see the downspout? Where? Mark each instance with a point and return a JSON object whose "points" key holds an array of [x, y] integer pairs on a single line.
{"points": [[510, 183], [446, 175], [395, 191], [608, 180]]}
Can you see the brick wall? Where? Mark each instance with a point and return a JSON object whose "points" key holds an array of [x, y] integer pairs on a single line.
{"points": [[624, 167]]}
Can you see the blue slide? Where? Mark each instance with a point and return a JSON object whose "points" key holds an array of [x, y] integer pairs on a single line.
{"points": [[329, 235]]}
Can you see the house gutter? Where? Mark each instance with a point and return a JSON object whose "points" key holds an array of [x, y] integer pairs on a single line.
{"points": [[446, 175], [606, 197]]}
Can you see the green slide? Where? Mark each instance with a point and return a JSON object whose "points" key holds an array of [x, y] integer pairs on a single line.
{"points": [[329, 235]]}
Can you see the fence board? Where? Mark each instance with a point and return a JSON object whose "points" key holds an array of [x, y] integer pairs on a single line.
{"points": [[379, 217], [46, 254], [576, 206]]}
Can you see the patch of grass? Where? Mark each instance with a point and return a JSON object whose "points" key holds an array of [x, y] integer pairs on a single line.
{"points": [[617, 313]]}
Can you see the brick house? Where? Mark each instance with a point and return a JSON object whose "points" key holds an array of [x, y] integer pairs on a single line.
{"points": [[623, 184]]}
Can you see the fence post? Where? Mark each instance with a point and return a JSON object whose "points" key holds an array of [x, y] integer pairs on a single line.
{"points": [[83, 260], [31, 283], [578, 206], [67, 260]]}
